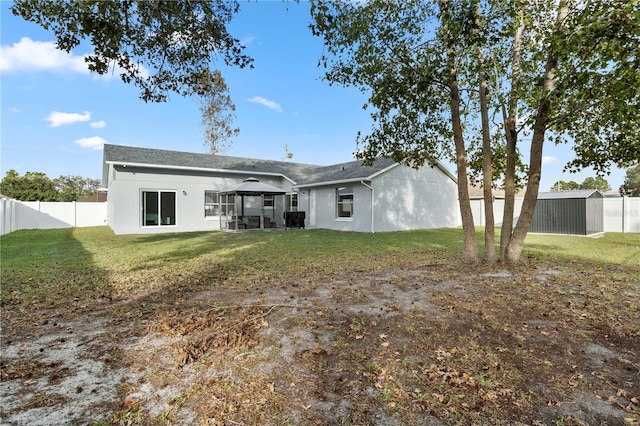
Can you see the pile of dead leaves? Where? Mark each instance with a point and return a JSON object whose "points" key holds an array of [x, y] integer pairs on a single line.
{"points": [[219, 327]]}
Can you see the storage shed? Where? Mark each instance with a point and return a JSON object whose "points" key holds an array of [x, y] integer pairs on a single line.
{"points": [[569, 212]]}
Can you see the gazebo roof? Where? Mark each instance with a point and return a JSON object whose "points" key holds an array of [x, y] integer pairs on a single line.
{"points": [[253, 186]]}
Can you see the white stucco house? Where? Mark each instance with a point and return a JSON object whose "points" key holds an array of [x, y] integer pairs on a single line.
{"points": [[156, 191]]}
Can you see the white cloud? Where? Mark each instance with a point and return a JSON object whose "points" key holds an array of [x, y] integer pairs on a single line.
{"points": [[548, 160], [15, 109], [266, 102], [247, 40], [95, 142], [30, 55], [57, 118], [98, 124]]}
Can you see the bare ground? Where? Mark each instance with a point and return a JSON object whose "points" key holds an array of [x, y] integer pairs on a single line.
{"points": [[436, 344]]}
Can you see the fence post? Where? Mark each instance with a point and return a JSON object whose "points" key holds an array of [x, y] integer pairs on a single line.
{"points": [[624, 213]]}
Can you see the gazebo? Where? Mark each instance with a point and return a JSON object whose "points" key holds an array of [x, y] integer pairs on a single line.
{"points": [[251, 215]]}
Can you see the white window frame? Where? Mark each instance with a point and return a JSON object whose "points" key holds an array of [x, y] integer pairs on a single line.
{"points": [[159, 211], [211, 204], [292, 202], [344, 203]]}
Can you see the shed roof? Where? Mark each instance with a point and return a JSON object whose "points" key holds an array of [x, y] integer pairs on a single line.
{"points": [[580, 193]]}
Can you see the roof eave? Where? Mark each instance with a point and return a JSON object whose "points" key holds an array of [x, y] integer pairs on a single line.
{"points": [[331, 182]]}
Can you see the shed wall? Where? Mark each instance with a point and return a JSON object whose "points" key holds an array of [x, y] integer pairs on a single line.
{"points": [[594, 215], [560, 216], [575, 216]]}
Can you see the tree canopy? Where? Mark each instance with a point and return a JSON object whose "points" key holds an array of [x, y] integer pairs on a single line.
{"points": [[631, 186], [561, 71], [160, 46], [217, 111], [36, 186], [597, 182]]}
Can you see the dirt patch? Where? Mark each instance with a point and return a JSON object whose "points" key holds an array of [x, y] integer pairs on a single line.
{"points": [[423, 346], [60, 374]]}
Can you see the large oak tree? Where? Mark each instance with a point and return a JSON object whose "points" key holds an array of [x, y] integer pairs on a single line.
{"points": [[566, 72]]}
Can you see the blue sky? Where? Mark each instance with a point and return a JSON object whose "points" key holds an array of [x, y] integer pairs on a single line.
{"points": [[55, 115]]}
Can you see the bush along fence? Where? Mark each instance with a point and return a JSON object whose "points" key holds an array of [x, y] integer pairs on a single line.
{"points": [[16, 215]]}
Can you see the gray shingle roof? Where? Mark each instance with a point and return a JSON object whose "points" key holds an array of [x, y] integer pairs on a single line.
{"points": [[351, 171], [172, 159], [301, 174]]}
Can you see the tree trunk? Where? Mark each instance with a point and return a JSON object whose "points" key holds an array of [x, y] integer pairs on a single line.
{"points": [[470, 249], [487, 169], [511, 136], [516, 243]]}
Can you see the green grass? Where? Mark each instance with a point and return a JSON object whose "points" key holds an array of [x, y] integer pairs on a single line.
{"points": [[488, 344], [40, 265], [612, 248]]}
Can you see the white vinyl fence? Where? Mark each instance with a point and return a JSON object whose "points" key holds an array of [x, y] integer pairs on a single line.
{"points": [[621, 214], [16, 215]]}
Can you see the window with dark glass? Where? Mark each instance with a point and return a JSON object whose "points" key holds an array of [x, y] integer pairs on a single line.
{"points": [[344, 201], [158, 208]]}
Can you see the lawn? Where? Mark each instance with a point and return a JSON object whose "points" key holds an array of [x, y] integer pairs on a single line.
{"points": [[317, 327]]}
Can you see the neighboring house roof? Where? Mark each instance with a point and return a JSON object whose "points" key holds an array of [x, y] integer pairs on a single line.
{"points": [[302, 175], [98, 197], [580, 193]]}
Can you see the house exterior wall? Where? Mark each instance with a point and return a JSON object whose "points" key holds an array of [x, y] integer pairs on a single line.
{"points": [[406, 198], [125, 197], [403, 199], [325, 215]]}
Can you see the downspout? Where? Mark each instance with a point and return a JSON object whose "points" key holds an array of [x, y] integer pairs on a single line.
{"points": [[372, 206]]}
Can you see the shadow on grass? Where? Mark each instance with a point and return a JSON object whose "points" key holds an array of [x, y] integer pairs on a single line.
{"points": [[49, 268]]}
